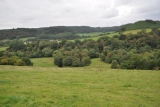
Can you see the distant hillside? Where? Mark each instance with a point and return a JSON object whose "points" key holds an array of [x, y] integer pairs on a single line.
{"points": [[143, 24], [52, 31], [69, 32]]}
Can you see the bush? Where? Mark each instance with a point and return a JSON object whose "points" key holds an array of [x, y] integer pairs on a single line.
{"points": [[114, 64], [19, 63], [86, 61], [76, 62], [27, 61], [67, 61], [58, 60]]}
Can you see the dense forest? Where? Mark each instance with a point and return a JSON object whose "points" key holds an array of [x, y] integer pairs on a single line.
{"points": [[130, 51]]}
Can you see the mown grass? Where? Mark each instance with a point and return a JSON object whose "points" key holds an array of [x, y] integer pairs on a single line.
{"points": [[93, 86], [43, 62], [3, 48]]}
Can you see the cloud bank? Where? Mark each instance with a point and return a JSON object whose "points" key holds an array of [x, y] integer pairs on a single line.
{"points": [[96, 13]]}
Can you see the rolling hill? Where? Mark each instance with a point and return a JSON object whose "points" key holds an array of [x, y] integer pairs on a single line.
{"points": [[70, 32], [143, 25]]}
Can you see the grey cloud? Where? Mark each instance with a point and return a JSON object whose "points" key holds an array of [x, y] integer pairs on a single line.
{"points": [[43, 13], [110, 13]]}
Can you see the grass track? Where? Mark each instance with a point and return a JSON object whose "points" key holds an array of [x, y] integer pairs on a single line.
{"points": [[96, 85]]}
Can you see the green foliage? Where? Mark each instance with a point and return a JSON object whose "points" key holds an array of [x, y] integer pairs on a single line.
{"points": [[135, 62], [108, 47], [86, 61], [14, 60], [75, 58], [93, 54], [143, 24], [67, 61], [57, 32], [58, 60], [19, 62], [122, 37], [16, 45], [27, 61], [114, 64], [76, 62]]}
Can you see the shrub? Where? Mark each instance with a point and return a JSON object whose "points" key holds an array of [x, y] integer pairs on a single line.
{"points": [[58, 60], [114, 64], [86, 61]]}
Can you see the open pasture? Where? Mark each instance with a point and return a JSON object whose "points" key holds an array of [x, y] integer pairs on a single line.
{"points": [[93, 86]]}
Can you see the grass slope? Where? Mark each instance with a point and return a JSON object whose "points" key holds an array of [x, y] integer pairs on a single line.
{"points": [[3, 48], [43, 62], [115, 33], [142, 25], [136, 31], [93, 86], [90, 34]]}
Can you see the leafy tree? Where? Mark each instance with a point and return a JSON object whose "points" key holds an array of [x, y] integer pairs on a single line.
{"points": [[4, 61], [19, 62], [54, 45], [27, 61], [67, 61], [102, 57], [47, 52], [122, 37], [86, 61], [92, 53], [58, 60], [76, 62], [114, 64], [17, 45], [135, 62]]}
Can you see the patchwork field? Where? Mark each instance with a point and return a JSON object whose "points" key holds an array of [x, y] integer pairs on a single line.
{"points": [[93, 86]]}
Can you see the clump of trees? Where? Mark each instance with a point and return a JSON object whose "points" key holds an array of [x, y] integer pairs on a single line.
{"points": [[74, 58], [14, 60], [140, 51], [131, 51]]}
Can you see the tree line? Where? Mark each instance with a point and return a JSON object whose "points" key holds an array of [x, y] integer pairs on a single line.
{"points": [[52, 32], [131, 51]]}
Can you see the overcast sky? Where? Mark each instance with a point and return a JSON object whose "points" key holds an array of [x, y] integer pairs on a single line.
{"points": [[96, 13]]}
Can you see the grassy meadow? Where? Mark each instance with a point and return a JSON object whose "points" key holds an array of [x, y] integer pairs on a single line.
{"points": [[43, 62], [3, 48], [93, 86], [96, 35]]}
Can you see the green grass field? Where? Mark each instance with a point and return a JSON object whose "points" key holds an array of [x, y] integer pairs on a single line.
{"points": [[43, 62], [93, 86], [136, 31], [95, 36], [3, 48], [90, 34]]}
